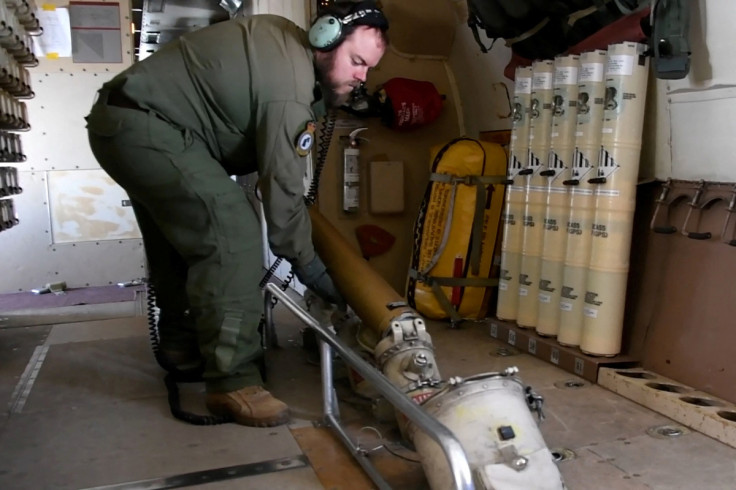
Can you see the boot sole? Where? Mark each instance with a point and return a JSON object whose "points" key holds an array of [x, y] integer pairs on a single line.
{"points": [[274, 421]]}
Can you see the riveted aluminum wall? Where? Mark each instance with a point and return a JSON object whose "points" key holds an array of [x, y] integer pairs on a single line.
{"points": [[75, 225]]}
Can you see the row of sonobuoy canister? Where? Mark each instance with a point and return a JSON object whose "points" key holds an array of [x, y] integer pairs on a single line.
{"points": [[573, 168]]}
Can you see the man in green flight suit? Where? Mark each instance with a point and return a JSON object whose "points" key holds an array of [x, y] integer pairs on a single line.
{"points": [[236, 97]]}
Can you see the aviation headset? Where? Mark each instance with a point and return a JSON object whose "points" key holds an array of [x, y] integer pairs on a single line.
{"points": [[327, 31]]}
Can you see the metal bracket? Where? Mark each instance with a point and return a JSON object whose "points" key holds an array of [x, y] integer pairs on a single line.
{"points": [[729, 213], [408, 329], [661, 218], [695, 211]]}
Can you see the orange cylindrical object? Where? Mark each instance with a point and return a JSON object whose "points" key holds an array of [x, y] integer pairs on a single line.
{"points": [[372, 298]]}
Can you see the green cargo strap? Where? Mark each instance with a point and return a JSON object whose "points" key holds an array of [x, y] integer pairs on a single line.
{"points": [[436, 284], [467, 179], [445, 303], [438, 294], [478, 282], [477, 230]]}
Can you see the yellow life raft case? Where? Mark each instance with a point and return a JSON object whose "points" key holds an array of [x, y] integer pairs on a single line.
{"points": [[455, 233]]}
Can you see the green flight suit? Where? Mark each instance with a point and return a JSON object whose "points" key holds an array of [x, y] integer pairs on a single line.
{"points": [[229, 99]]}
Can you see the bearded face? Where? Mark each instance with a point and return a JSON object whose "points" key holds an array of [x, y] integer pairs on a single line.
{"points": [[332, 90], [344, 68]]}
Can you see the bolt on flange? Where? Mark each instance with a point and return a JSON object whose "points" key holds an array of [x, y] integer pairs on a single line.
{"points": [[668, 431]]}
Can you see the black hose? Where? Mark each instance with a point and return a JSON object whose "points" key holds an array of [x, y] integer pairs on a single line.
{"points": [[175, 375]]}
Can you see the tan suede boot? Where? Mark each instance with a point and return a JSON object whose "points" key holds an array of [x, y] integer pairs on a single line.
{"points": [[251, 406]]}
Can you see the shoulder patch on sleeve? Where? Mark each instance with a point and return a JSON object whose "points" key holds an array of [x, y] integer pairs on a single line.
{"points": [[305, 140]]}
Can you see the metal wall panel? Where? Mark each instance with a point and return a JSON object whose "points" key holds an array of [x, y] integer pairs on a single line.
{"points": [[34, 252], [87, 205], [702, 135], [30, 259], [58, 138]]}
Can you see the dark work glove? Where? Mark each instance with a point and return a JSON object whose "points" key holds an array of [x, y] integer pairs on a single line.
{"points": [[314, 276]]}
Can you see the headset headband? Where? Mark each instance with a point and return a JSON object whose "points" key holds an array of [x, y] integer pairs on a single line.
{"points": [[349, 19], [327, 31]]}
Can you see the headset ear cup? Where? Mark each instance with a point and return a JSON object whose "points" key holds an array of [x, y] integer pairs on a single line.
{"points": [[325, 32]]}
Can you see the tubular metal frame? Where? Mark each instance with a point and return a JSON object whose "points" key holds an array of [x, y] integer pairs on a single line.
{"points": [[451, 447]]}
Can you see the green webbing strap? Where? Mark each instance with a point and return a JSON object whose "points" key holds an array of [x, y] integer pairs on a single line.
{"points": [[476, 282], [476, 234], [467, 179], [445, 303], [436, 284]]}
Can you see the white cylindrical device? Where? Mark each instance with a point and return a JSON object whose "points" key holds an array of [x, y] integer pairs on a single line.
{"points": [[490, 415], [535, 196], [508, 281], [561, 152], [591, 94], [627, 70]]}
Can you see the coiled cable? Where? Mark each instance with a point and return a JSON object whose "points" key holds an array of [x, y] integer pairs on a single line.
{"points": [[174, 375]]}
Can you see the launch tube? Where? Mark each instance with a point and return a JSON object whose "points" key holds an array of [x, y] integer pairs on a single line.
{"points": [[372, 298], [591, 95], [508, 282], [561, 152], [540, 127], [617, 172], [404, 351]]}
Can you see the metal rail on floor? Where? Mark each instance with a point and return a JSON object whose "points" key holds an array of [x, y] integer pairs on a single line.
{"points": [[451, 447]]}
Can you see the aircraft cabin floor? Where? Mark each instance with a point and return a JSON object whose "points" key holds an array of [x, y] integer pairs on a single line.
{"points": [[87, 408]]}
